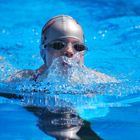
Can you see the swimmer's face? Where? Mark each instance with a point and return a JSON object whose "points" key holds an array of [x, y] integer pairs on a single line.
{"points": [[68, 47]]}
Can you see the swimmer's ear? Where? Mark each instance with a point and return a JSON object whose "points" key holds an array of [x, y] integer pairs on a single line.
{"points": [[43, 55]]}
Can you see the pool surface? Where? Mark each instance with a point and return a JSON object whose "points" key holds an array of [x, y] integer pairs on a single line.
{"points": [[112, 34]]}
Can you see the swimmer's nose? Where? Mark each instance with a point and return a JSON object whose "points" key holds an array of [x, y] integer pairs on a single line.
{"points": [[69, 52]]}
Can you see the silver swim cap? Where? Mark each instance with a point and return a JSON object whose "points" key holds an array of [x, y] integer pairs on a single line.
{"points": [[61, 27]]}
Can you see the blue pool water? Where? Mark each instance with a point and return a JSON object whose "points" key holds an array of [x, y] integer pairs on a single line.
{"points": [[112, 30]]}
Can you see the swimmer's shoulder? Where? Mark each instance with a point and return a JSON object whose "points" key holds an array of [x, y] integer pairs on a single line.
{"points": [[26, 74], [18, 76], [103, 78]]}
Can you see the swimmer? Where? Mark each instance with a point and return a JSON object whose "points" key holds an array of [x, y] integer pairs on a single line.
{"points": [[61, 36]]}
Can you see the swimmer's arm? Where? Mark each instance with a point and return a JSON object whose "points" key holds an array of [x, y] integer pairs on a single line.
{"points": [[103, 78]]}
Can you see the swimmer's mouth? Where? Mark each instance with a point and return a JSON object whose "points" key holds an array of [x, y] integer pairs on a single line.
{"points": [[65, 64], [69, 64]]}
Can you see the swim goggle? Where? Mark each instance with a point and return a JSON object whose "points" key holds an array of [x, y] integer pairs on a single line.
{"points": [[58, 45]]}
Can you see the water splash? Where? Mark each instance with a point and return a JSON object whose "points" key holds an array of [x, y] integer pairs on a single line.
{"points": [[6, 69], [73, 89]]}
